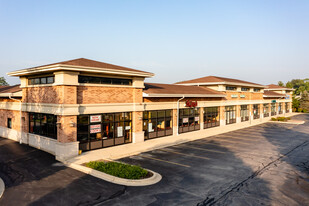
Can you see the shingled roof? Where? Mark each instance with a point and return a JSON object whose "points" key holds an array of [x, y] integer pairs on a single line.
{"points": [[172, 90], [96, 66], [273, 94], [215, 79], [277, 87], [5, 91]]}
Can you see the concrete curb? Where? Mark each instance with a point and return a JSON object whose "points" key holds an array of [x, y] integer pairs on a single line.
{"points": [[2, 187], [280, 122], [116, 180]]}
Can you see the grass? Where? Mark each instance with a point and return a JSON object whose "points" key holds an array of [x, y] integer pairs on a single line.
{"points": [[281, 119], [119, 169]]}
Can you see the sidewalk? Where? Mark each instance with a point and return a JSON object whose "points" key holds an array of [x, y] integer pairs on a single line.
{"points": [[117, 152]]}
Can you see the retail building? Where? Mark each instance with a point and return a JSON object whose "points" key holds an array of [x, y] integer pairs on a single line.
{"points": [[85, 105]]}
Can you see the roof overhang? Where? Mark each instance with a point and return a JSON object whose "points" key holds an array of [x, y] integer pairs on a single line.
{"points": [[61, 67], [222, 83], [182, 95], [278, 96], [280, 89], [15, 94]]}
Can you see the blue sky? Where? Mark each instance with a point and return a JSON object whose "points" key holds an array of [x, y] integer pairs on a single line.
{"points": [[262, 41]]}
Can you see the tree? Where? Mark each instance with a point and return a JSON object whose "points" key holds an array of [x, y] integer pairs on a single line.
{"points": [[281, 84], [3, 82]]}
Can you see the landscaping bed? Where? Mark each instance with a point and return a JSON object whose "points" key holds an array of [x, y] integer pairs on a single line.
{"points": [[119, 169], [281, 119]]}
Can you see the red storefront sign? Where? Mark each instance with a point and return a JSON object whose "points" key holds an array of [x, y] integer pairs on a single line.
{"points": [[190, 103]]}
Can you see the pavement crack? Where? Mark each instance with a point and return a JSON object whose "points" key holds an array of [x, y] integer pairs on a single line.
{"points": [[100, 199], [209, 201]]}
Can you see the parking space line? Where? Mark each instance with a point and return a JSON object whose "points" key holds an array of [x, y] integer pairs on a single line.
{"points": [[231, 137], [189, 155], [198, 148], [166, 161]]}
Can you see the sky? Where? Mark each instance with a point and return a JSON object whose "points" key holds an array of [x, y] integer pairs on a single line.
{"points": [[262, 41]]}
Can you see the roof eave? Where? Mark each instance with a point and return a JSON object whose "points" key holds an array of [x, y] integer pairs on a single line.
{"points": [[220, 83], [59, 67], [182, 95]]}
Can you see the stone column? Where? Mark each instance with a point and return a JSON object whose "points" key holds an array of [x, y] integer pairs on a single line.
{"points": [[238, 118]]}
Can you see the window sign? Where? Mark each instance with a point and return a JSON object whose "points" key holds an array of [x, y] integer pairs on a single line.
{"points": [[128, 127], [242, 96], [95, 118], [119, 131], [185, 120], [150, 129], [234, 95], [95, 128], [196, 118]]}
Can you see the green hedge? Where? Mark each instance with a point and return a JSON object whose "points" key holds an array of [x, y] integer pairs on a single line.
{"points": [[281, 119], [119, 169]]}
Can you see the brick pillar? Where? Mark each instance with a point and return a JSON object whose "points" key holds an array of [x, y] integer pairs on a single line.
{"points": [[238, 118], [201, 118], [137, 122], [175, 126], [222, 115], [261, 111], [250, 112]]}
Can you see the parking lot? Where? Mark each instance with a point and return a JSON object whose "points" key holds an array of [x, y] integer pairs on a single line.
{"points": [[267, 164]]}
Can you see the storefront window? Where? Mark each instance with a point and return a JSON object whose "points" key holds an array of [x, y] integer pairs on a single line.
{"points": [[244, 113], [230, 114], [280, 108], [104, 130], [266, 110], [211, 117], [273, 109], [256, 111], [287, 109], [157, 123], [43, 124], [189, 120]]}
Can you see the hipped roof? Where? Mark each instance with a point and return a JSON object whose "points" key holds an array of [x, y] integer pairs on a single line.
{"points": [[172, 90]]}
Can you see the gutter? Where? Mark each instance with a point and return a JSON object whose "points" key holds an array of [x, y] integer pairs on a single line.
{"points": [[21, 126], [178, 113]]}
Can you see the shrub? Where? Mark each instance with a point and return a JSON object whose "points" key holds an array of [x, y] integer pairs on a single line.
{"points": [[299, 110], [288, 118], [119, 169], [273, 119], [282, 119], [305, 110]]}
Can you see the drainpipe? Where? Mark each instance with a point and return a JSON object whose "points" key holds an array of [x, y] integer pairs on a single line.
{"points": [[21, 126], [178, 113]]}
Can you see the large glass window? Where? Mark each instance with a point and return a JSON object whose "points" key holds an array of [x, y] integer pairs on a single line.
{"points": [[244, 112], [273, 109], [43, 124], [280, 108], [266, 110], [103, 80], [41, 80], [230, 88], [211, 117], [157, 123], [189, 119], [104, 130], [230, 114], [287, 109]]}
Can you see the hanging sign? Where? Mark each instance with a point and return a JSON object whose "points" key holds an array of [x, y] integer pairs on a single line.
{"points": [[95, 128], [95, 118], [190, 103]]}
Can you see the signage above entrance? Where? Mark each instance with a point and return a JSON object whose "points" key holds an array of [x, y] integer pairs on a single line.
{"points": [[190, 103]]}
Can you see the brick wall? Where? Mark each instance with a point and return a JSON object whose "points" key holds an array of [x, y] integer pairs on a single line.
{"points": [[96, 95]]}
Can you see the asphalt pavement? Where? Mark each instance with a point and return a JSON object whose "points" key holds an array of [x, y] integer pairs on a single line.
{"points": [[267, 164]]}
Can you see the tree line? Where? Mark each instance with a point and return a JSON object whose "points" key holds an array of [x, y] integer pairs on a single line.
{"points": [[300, 94]]}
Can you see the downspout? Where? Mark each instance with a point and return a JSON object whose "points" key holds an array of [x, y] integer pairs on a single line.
{"points": [[21, 120], [178, 113]]}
